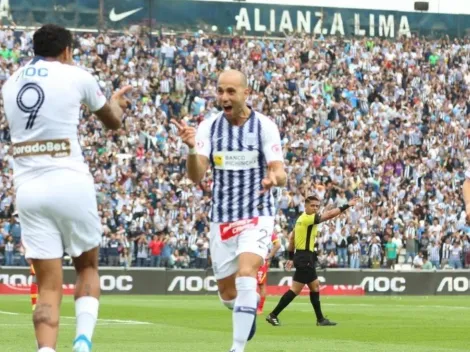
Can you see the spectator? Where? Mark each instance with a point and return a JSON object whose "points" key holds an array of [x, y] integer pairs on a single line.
{"points": [[355, 253], [418, 261], [332, 260], [113, 251], [392, 253], [9, 251], [427, 265], [156, 246], [455, 259], [142, 251]]}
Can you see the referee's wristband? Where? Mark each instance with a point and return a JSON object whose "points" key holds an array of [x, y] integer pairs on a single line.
{"points": [[192, 151], [344, 207], [291, 255]]}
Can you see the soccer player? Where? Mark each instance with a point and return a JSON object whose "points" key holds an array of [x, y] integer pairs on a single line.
{"points": [[243, 148], [34, 287], [263, 271], [301, 255], [55, 194]]}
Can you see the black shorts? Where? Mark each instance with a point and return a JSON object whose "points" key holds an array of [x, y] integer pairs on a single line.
{"points": [[304, 263], [305, 275]]}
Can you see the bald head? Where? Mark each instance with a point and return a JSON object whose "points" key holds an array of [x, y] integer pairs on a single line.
{"points": [[234, 77]]}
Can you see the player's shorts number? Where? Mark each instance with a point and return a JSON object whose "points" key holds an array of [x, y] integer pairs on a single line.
{"points": [[32, 107]]}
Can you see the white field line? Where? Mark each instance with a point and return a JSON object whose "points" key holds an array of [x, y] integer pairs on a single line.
{"points": [[101, 321], [411, 306]]}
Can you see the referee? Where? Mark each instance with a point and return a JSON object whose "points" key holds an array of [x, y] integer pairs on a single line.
{"points": [[302, 240]]}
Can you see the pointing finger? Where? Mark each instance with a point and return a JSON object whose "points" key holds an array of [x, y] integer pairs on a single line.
{"points": [[176, 123], [124, 90]]}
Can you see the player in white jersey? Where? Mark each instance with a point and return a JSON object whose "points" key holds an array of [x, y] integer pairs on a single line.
{"points": [[243, 148], [466, 194], [55, 195]]}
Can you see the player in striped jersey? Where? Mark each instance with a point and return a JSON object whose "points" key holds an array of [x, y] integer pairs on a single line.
{"points": [[263, 271], [243, 148]]}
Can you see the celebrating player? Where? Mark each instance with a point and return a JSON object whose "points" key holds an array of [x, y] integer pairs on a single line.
{"points": [[263, 271], [243, 148], [302, 241], [56, 198]]}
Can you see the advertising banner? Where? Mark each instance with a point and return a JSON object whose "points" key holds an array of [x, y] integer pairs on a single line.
{"points": [[200, 282], [233, 16]]}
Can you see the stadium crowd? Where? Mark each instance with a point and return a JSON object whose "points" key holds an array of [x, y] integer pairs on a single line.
{"points": [[386, 121]]}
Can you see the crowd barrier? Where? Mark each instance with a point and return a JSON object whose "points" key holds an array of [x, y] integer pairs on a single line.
{"points": [[148, 281]]}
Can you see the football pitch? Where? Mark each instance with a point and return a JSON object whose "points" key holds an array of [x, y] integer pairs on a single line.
{"points": [[202, 324]]}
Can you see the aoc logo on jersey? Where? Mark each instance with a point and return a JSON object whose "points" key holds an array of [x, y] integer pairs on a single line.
{"points": [[57, 148]]}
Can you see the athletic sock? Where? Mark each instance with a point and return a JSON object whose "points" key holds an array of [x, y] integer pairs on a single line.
{"points": [[46, 349], [284, 302], [261, 303], [315, 300], [86, 312], [244, 312], [34, 294]]}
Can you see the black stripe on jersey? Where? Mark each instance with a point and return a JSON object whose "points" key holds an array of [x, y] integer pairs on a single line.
{"points": [[241, 176], [219, 173], [251, 205], [231, 173], [211, 139]]}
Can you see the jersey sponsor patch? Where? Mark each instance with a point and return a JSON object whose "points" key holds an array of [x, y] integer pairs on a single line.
{"points": [[231, 229], [57, 148], [236, 160]]}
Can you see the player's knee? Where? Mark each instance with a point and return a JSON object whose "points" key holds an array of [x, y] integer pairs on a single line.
{"points": [[248, 271], [315, 286], [248, 265]]}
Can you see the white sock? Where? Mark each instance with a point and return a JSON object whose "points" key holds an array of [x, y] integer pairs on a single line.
{"points": [[86, 311], [244, 311], [228, 304], [46, 349]]}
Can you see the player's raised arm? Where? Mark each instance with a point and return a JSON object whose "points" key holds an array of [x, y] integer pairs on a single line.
{"points": [[111, 113], [199, 149], [330, 214]]}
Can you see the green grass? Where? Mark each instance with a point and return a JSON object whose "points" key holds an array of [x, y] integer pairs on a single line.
{"points": [[202, 324]]}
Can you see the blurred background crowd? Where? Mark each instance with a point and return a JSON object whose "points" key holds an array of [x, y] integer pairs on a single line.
{"points": [[385, 121]]}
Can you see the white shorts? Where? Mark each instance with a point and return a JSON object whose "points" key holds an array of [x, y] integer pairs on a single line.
{"points": [[228, 240], [58, 213]]}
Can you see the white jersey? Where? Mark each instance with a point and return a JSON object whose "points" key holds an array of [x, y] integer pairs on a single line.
{"points": [[239, 156], [42, 104]]}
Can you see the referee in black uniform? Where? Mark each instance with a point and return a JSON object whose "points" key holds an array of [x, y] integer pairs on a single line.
{"points": [[302, 240]]}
